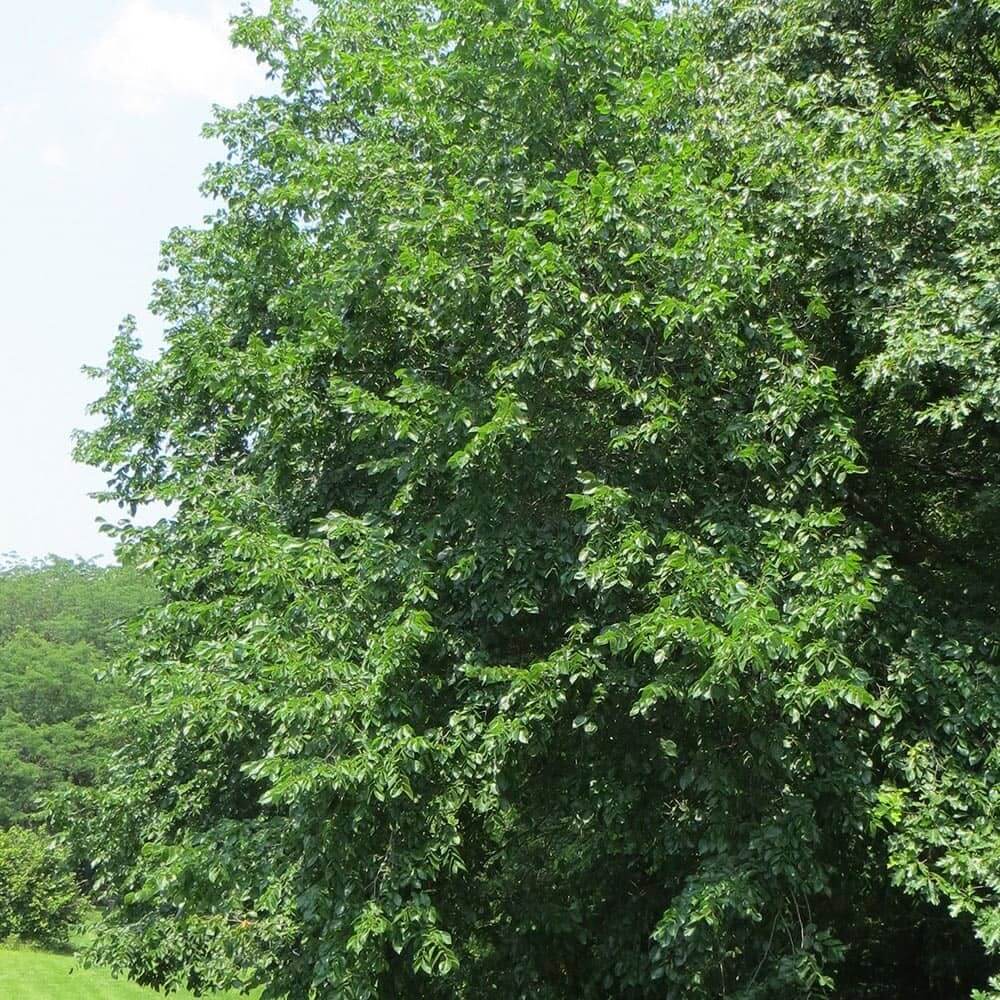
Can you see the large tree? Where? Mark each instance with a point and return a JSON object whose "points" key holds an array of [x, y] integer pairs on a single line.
{"points": [[580, 426]]}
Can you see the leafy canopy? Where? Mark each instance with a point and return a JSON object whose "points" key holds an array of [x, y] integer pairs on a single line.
{"points": [[580, 422]]}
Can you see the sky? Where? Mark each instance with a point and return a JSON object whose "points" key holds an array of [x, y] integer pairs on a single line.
{"points": [[101, 107]]}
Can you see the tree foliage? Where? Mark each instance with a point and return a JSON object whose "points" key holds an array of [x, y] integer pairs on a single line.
{"points": [[39, 900], [580, 421]]}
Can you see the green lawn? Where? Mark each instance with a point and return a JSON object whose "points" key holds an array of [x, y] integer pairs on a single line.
{"points": [[38, 975]]}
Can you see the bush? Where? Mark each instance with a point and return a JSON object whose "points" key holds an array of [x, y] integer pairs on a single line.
{"points": [[39, 900]]}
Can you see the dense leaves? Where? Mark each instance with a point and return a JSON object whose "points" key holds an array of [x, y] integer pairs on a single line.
{"points": [[580, 423], [39, 900]]}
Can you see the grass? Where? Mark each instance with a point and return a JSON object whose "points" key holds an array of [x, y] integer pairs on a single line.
{"points": [[27, 974]]}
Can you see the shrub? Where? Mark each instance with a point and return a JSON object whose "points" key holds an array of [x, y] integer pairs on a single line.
{"points": [[39, 900]]}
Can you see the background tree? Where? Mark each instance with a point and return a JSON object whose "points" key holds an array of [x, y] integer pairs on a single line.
{"points": [[581, 425], [57, 634]]}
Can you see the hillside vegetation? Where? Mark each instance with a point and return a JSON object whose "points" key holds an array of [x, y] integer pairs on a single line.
{"points": [[57, 634]]}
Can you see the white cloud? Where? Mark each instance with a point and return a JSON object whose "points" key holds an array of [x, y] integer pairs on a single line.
{"points": [[153, 55]]}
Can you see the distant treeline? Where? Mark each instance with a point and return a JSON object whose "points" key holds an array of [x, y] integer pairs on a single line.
{"points": [[59, 627]]}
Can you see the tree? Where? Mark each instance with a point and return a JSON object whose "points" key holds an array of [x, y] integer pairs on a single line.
{"points": [[39, 900], [580, 426]]}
